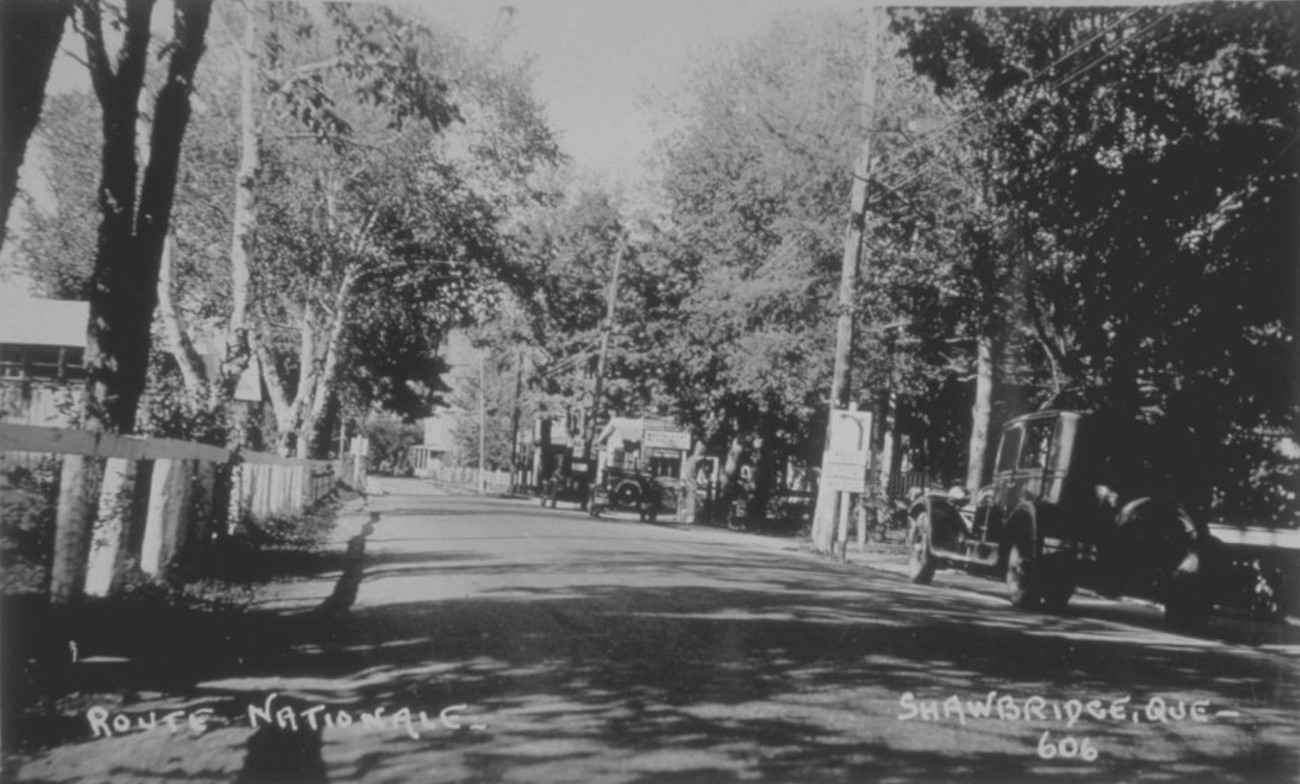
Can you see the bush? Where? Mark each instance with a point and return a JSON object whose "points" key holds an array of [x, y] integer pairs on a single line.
{"points": [[305, 531], [27, 513], [390, 445], [1255, 585]]}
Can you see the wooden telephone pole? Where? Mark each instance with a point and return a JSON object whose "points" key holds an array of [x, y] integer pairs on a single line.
{"points": [[610, 305], [482, 422], [824, 519]]}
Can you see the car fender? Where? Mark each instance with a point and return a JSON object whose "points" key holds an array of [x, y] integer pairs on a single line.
{"points": [[1162, 534]]}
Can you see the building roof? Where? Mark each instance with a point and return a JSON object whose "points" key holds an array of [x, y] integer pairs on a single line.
{"points": [[31, 321]]}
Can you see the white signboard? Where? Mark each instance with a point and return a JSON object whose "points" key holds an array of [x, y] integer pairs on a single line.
{"points": [[843, 484], [850, 433], [666, 439], [844, 464], [850, 472]]}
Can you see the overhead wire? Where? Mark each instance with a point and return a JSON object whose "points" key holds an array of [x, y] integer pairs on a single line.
{"points": [[975, 112]]}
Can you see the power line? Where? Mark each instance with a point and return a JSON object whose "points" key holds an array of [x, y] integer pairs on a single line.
{"points": [[971, 113], [975, 112]]}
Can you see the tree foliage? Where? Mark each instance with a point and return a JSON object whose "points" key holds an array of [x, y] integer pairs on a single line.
{"points": [[1149, 156]]}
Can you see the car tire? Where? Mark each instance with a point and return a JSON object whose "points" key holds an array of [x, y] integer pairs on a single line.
{"points": [[1057, 579], [1022, 586], [626, 495], [920, 560]]}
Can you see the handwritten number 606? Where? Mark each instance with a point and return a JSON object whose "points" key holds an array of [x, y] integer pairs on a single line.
{"points": [[1068, 747]]}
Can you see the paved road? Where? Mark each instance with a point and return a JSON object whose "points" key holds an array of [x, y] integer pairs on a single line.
{"points": [[576, 650]]}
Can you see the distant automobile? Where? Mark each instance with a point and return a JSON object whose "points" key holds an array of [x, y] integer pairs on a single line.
{"points": [[1076, 499], [570, 481], [628, 489]]}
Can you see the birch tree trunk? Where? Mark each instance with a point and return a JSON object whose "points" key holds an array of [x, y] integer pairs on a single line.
{"points": [[981, 411], [237, 351], [193, 371]]}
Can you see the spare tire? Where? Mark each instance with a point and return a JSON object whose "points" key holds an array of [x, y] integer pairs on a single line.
{"points": [[1159, 552], [626, 494]]}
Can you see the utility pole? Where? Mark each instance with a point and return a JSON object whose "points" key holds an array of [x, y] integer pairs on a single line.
{"points": [[482, 421], [514, 420], [602, 358], [823, 534]]}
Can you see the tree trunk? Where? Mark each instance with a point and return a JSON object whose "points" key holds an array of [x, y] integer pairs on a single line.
{"points": [[731, 469], [132, 231], [31, 31], [275, 385], [981, 412], [79, 486], [764, 468], [193, 371], [236, 354]]}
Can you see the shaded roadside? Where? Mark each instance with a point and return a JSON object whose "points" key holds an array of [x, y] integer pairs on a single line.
{"points": [[615, 651], [56, 661]]}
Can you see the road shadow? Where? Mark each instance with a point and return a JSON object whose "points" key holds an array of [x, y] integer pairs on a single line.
{"points": [[714, 665]]}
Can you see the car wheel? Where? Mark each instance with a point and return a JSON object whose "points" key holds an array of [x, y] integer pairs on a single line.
{"points": [[920, 560], [1057, 578], [1021, 586], [627, 494]]}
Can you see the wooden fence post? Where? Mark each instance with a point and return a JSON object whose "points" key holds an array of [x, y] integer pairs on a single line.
{"points": [[253, 490], [202, 505], [235, 503], [302, 487], [265, 485], [74, 520], [164, 531], [112, 526]]}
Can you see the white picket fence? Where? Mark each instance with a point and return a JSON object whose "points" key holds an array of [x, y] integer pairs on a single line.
{"points": [[496, 481], [182, 490]]}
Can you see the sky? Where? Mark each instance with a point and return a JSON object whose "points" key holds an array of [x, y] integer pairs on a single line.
{"points": [[598, 63]]}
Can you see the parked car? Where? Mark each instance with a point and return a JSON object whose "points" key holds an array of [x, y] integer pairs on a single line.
{"points": [[1076, 499], [628, 490], [570, 481]]}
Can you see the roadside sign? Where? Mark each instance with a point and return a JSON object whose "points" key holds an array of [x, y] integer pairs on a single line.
{"points": [[850, 433], [844, 464], [666, 439]]}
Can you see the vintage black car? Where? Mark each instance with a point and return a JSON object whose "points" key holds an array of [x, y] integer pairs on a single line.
{"points": [[628, 489], [1076, 499], [570, 480]]}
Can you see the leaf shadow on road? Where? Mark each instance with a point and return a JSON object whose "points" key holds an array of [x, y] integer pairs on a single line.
{"points": [[716, 664]]}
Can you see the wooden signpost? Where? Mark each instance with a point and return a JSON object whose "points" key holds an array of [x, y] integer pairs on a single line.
{"points": [[844, 472]]}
